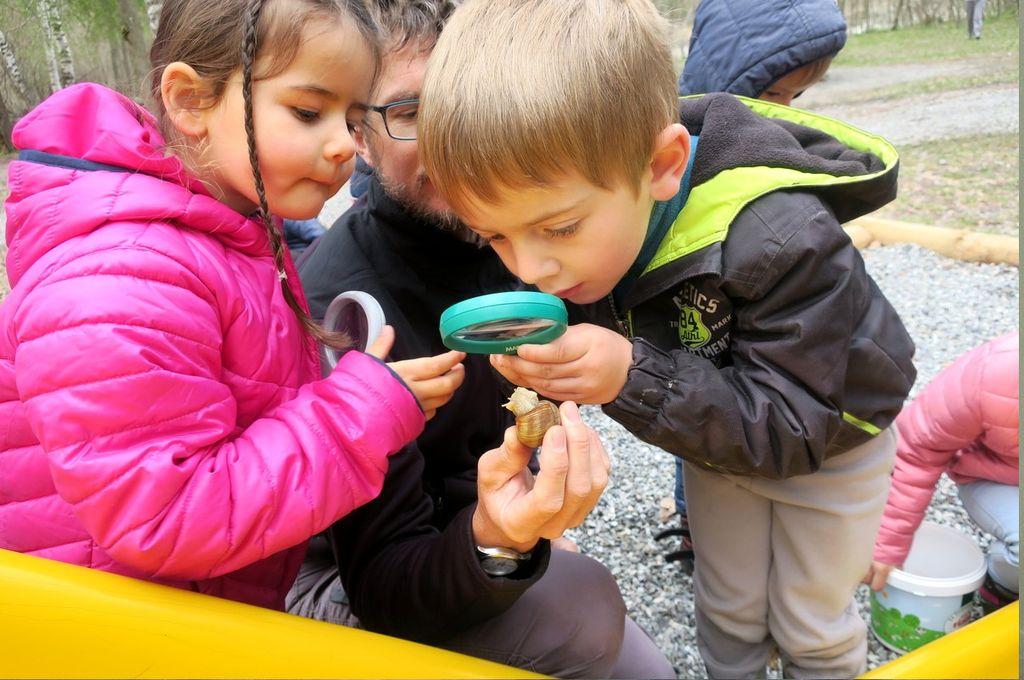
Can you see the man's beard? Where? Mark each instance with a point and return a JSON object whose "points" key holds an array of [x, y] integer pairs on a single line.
{"points": [[411, 200]]}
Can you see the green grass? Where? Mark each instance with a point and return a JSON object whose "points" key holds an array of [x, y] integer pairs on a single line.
{"points": [[965, 183], [935, 42]]}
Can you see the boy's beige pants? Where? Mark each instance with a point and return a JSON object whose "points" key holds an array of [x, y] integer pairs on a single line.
{"points": [[778, 561]]}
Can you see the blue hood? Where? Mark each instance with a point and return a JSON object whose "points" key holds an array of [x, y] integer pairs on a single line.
{"points": [[743, 46]]}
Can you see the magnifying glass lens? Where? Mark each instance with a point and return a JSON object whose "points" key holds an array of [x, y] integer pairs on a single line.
{"points": [[506, 329], [499, 322]]}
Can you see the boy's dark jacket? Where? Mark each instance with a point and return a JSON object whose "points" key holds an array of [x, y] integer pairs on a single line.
{"points": [[760, 344], [407, 558]]}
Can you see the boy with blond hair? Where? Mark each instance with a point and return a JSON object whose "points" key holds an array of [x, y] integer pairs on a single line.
{"points": [[720, 312]]}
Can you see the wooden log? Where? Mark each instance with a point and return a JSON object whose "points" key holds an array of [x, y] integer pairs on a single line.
{"points": [[860, 236], [960, 244]]}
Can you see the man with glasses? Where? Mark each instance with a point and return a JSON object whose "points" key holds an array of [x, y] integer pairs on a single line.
{"points": [[558, 612], [399, 118], [361, 177]]}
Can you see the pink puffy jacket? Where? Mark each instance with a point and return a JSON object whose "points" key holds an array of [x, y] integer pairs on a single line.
{"points": [[161, 412], [965, 423]]}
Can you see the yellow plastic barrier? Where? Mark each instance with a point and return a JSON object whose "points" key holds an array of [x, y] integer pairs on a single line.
{"points": [[58, 620], [987, 648]]}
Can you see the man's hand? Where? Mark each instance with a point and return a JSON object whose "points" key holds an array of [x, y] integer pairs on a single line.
{"points": [[432, 380], [588, 364], [515, 509], [877, 575]]}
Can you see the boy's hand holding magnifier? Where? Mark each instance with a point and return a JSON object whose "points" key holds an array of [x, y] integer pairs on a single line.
{"points": [[587, 364]]}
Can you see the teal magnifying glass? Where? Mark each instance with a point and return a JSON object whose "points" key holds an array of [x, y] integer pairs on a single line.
{"points": [[500, 322]]}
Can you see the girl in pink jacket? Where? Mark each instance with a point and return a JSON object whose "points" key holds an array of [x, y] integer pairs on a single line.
{"points": [[965, 423], [161, 408]]}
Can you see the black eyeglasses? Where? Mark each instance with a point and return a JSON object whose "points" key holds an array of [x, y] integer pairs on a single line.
{"points": [[399, 118]]}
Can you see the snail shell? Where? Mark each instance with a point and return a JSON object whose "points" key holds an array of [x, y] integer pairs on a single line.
{"points": [[534, 416]]}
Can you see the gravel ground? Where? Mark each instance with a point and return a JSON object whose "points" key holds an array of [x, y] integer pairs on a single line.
{"points": [[926, 117], [948, 307], [844, 83]]}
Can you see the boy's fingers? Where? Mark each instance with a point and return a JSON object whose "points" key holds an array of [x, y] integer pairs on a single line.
{"points": [[564, 389], [563, 350], [534, 370], [561, 389], [505, 371], [382, 345], [545, 378]]}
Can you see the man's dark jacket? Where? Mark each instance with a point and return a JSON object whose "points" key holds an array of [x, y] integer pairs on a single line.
{"points": [[407, 558], [760, 344]]}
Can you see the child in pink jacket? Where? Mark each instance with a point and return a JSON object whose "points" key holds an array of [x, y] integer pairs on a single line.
{"points": [[965, 423], [161, 408]]}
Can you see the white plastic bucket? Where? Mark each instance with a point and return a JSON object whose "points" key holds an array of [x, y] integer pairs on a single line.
{"points": [[933, 592]]}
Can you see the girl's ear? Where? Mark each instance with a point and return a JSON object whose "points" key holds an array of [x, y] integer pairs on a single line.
{"points": [[186, 98], [669, 160]]}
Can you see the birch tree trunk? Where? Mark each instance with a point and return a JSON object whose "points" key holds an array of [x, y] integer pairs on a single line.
{"points": [[58, 49], [153, 8], [13, 70], [51, 52]]}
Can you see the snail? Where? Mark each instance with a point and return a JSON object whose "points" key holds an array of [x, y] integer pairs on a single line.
{"points": [[534, 416]]}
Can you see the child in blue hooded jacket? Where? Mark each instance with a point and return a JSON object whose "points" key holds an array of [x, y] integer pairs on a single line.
{"points": [[763, 49]]}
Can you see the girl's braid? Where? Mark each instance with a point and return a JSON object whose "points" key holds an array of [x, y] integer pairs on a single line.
{"points": [[249, 51]]}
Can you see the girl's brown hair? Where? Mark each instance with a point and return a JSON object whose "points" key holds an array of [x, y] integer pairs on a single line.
{"points": [[217, 38]]}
